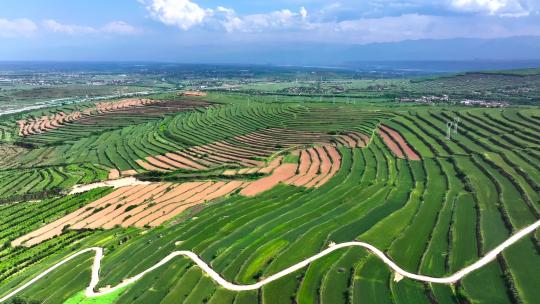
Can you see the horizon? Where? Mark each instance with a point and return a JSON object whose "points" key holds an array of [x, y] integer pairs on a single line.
{"points": [[280, 32], [391, 68]]}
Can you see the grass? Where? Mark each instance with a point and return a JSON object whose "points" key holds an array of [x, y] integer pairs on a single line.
{"points": [[110, 298], [291, 159]]}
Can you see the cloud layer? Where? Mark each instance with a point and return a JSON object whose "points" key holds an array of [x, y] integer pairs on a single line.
{"points": [[181, 13], [114, 27], [13, 28], [17, 27], [387, 17], [186, 14], [503, 8], [341, 21]]}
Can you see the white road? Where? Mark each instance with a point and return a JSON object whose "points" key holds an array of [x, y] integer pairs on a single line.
{"points": [[116, 183], [91, 292]]}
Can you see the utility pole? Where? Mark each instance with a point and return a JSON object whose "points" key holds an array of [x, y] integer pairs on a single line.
{"points": [[457, 120], [449, 125]]}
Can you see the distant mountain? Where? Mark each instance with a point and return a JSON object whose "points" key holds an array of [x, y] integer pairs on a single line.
{"points": [[510, 50], [487, 54], [514, 48]]}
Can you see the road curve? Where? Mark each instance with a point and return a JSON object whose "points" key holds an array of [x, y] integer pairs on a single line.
{"points": [[90, 290]]}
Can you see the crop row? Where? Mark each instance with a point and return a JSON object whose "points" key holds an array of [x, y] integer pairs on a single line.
{"points": [[120, 149], [433, 216], [37, 183]]}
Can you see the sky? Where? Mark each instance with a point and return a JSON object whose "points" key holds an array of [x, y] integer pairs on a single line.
{"points": [[191, 30]]}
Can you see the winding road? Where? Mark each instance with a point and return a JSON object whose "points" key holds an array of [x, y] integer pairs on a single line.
{"points": [[90, 290]]}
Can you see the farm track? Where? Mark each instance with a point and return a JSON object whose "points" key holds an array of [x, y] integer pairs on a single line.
{"points": [[90, 290]]}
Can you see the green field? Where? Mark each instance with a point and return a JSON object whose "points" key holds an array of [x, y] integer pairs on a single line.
{"points": [[434, 216]]}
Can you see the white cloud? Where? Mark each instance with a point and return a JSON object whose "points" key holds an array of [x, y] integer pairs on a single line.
{"points": [[119, 27], [417, 26], [227, 19], [303, 12], [186, 14], [181, 13], [336, 22], [387, 29], [273, 21], [17, 27], [502, 8], [70, 29], [114, 27]]}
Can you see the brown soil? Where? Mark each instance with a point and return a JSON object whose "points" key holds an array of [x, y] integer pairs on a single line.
{"points": [[103, 111], [166, 211], [184, 194], [303, 166], [281, 174], [186, 161], [114, 174], [350, 142], [115, 212], [196, 158], [313, 169], [55, 228], [271, 166], [241, 150], [158, 163], [128, 173], [325, 167], [147, 166], [335, 157], [193, 93], [361, 139], [173, 163], [145, 211], [391, 144], [230, 172], [222, 191], [83, 219], [402, 143]]}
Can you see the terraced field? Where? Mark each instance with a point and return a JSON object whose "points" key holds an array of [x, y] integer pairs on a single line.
{"points": [[253, 188], [509, 86], [36, 183], [62, 127]]}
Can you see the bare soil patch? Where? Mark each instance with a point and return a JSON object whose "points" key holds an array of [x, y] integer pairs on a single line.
{"points": [[114, 174], [313, 170], [409, 152], [335, 158], [281, 174], [324, 168], [102, 113], [391, 144]]}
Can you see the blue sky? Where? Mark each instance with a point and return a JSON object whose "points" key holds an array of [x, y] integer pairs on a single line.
{"points": [[163, 29]]}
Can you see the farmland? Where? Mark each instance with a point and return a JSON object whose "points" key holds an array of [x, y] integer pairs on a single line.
{"points": [[257, 179]]}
